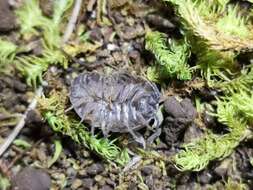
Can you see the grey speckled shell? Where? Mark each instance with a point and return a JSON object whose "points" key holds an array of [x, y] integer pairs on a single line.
{"points": [[116, 103]]}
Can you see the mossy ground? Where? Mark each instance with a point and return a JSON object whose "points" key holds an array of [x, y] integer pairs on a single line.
{"points": [[110, 37]]}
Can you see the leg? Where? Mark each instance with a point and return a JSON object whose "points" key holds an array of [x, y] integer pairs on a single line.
{"points": [[151, 139], [158, 120], [138, 138]]}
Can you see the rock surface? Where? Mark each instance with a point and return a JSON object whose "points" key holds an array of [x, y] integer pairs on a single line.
{"points": [[179, 116], [7, 18], [31, 179]]}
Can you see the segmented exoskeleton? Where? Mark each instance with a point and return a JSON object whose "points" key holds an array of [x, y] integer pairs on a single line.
{"points": [[116, 103]]}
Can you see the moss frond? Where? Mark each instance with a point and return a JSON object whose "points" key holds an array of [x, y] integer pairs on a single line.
{"points": [[52, 109], [8, 119], [171, 56], [243, 102], [228, 114], [30, 17], [32, 68], [60, 7], [52, 35], [153, 74], [243, 81], [52, 38], [197, 155], [221, 3], [7, 52], [84, 47], [55, 57], [215, 65], [233, 24], [5, 183], [232, 184]]}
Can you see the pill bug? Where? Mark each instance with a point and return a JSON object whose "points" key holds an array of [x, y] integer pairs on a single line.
{"points": [[117, 103]]}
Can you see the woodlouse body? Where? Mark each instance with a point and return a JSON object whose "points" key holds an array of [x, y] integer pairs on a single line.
{"points": [[117, 103]]}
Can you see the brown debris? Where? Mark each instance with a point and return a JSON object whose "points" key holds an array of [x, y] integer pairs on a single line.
{"points": [[7, 17]]}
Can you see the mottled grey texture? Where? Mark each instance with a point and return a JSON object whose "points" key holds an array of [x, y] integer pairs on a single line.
{"points": [[7, 17], [180, 114], [31, 179], [117, 103]]}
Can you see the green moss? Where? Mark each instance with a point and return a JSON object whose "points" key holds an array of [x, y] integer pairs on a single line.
{"points": [[30, 17], [235, 112], [216, 35], [243, 81], [8, 52], [171, 57], [33, 22], [233, 24], [32, 68]]}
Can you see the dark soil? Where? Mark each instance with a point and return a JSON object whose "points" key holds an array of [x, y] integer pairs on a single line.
{"points": [[7, 17]]}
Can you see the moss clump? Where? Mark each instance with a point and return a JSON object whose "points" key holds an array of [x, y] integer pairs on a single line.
{"points": [[171, 57]]}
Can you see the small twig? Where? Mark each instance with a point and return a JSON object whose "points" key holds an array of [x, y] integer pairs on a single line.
{"points": [[72, 21], [20, 124]]}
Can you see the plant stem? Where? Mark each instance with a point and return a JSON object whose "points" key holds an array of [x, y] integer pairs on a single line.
{"points": [[21, 123], [72, 21]]}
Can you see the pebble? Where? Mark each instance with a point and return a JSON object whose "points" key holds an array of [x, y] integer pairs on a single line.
{"points": [[106, 187], [191, 133], [41, 155], [53, 69], [118, 17], [223, 167], [95, 169], [12, 153], [100, 180], [149, 181], [134, 54], [82, 173], [86, 154], [31, 179], [103, 53], [147, 170], [71, 171], [20, 108], [96, 34], [76, 184], [110, 182], [112, 47], [47, 7], [88, 183], [108, 34], [33, 116], [205, 177], [91, 58], [68, 79], [7, 17], [180, 115], [19, 86], [58, 176]]}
